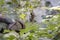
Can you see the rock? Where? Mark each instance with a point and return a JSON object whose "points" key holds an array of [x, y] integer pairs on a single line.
{"points": [[44, 39]]}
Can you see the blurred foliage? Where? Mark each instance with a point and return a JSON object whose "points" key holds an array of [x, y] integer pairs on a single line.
{"points": [[11, 37], [33, 31], [22, 16]]}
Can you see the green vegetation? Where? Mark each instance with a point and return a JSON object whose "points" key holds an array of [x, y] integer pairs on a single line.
{"points": [[33, 30]]}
